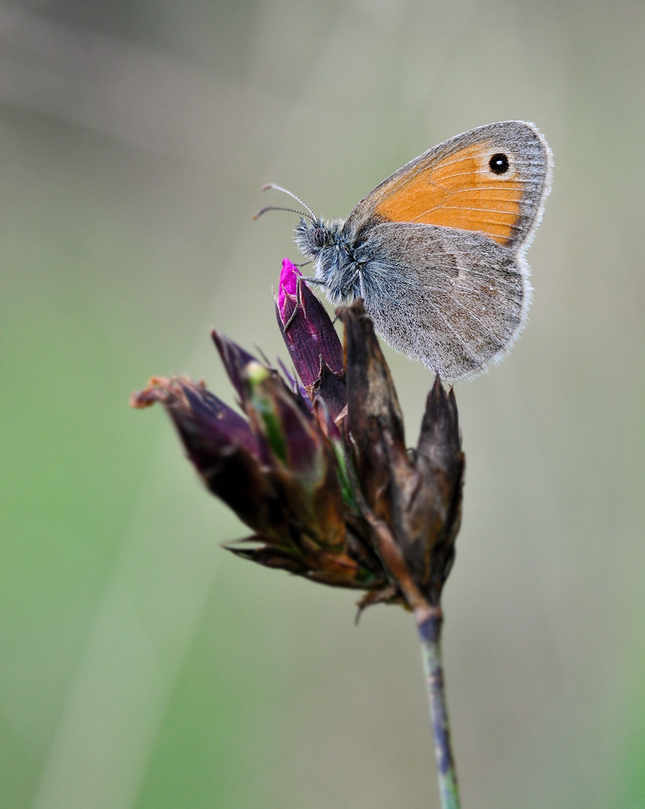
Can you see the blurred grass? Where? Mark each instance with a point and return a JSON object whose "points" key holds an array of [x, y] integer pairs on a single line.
{"points": [[139, 665]]}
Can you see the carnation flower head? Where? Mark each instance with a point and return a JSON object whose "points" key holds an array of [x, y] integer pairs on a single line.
{"points": [[316, 464]]}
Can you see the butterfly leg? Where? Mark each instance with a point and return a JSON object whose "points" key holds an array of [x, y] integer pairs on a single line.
{"points": [[361, 281], [299, 280]]}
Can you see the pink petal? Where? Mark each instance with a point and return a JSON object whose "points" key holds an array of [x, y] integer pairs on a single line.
{"points": [[288, 282]]}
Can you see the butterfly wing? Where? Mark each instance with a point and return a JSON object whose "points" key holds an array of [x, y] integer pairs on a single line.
{"points": [[492, 180], [441, 246], [453, 299]]}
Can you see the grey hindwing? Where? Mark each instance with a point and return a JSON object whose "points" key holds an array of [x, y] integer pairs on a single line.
{"points": [[453, 299]]}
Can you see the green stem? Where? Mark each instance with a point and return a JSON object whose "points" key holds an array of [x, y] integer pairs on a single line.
{"points": [[429, 625]]}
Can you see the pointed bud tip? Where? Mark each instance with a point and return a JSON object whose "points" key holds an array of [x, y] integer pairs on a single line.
{"points": [[288, 284]]}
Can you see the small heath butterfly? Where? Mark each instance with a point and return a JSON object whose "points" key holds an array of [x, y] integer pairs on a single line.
{"points": [[437, 250]]}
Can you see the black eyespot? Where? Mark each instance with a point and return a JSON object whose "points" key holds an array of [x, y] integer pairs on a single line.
{"points": [[318, 237], [498, 163]]}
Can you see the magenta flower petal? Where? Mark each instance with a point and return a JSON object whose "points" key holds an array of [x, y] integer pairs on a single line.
{"points": [[288, 283]]}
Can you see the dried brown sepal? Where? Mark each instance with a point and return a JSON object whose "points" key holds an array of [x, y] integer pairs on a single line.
{"points": [[334, 569], [412, 501], [440, 463], [374, 417]]}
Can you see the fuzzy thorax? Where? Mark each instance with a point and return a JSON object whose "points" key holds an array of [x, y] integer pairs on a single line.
{"points": [[336, 269]]}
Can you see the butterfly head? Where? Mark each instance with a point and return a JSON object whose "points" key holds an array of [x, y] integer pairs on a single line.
{"points": [[326, 245], [315, 237]]}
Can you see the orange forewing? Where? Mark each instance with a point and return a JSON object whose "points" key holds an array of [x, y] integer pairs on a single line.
{"points": [[457, 191]]}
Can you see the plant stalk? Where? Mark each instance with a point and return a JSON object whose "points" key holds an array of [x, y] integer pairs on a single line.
{"points": [[429, 622]]}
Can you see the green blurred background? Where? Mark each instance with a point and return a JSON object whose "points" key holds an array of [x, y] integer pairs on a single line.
{"points": [[141, 667]]}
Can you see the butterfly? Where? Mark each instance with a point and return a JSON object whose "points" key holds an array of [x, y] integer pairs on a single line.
{"points": [[437, 250]]}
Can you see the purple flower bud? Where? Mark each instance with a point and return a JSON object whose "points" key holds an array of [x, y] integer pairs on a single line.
{"points": [[197, 412], [311, 339], [218, 441]]}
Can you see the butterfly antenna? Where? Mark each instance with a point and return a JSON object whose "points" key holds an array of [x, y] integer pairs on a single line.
{"points": [[293, 196], [273, 208]]}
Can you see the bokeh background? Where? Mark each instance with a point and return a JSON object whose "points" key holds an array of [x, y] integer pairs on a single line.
{"points": [[142, 667]]}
